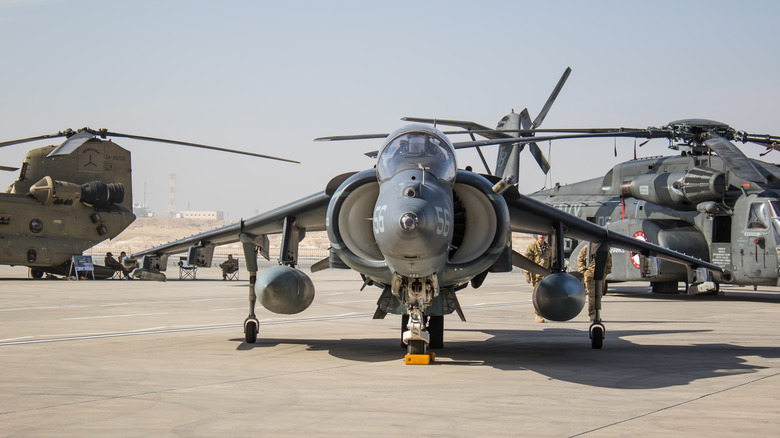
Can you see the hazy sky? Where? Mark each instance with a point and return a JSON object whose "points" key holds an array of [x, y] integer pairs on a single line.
{"points": [[270, 76]]}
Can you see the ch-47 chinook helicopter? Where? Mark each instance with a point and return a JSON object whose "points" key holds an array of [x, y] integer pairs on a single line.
{"points": [[68, 198], [711, 201]]}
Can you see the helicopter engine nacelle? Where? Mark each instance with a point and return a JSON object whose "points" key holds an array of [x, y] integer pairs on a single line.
{"points": [[50, 191], [286, 290], [559, 297], [681, 191]]}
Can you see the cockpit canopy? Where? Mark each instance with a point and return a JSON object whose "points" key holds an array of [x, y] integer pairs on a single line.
{"points": [[415, 148]]}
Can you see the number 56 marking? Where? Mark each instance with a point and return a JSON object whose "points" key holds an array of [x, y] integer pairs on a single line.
{"points": [[442, 221], [379, 219]]}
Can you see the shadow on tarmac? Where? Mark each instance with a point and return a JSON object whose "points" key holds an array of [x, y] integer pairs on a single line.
{"points": [[563, 354]]}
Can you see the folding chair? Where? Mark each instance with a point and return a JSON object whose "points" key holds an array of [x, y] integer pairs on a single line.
{"points": [[186, 271]]}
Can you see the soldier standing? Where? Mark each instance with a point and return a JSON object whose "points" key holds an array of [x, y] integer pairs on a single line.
{"points": [[540, 253], [586, 264]]}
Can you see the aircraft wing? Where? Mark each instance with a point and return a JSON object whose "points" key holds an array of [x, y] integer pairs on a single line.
{"points": [[309, 212], [528, 215]]}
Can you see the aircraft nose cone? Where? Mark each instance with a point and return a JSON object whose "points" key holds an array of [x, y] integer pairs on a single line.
{"points": [[409, 221]]}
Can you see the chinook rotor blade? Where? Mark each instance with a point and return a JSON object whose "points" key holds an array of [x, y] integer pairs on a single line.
{"points": [[73, 142], [103, 133], [66, 133], [9, 168], [737, 162], [76, 138]]}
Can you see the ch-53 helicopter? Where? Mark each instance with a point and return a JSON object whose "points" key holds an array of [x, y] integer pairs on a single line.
{"points": [[710, 201], [420, 229], [70, 197]]}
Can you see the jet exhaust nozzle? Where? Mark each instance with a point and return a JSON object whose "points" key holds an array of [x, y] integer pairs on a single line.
{"points": [[559, 297]]}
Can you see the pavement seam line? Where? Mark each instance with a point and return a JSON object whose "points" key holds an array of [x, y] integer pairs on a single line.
{"points": [[675, 405]]}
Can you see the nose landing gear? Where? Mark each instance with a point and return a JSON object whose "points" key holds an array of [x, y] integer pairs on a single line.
{"points": [[418, 294]]}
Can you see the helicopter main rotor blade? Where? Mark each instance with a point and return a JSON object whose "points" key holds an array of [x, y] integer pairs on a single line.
{"points": [[351, 137], [103, 134], [9, 168], [736, 161], [540, 118], [40, 137], [526, 140], [470, 126]]}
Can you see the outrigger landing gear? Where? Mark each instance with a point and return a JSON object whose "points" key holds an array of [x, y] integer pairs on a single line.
{"points": [[251, 324], [597, 331]]}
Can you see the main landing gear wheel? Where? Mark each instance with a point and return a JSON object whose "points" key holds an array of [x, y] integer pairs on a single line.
{"points": [[436, 330], [597, 336], [250, 332]]}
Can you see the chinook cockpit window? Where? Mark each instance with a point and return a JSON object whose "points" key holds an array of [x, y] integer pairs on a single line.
{"points": [[417, 150], [757, 217]]}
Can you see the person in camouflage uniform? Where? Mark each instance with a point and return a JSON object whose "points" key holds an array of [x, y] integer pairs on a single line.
{"points": [[229, 266], [540, 253], [588, 268]]}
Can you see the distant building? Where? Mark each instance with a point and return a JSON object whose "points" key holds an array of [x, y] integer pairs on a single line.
{"points": [[210, 215], [140, 210]]}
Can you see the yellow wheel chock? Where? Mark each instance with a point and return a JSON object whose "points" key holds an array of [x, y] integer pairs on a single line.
{"points": [[420, 359]]}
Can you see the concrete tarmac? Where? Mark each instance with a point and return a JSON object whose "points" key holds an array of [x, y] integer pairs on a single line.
{"points": [[131, 358]]}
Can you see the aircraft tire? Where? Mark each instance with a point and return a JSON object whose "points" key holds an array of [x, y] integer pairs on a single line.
{"points": [[416, 346], [250, 335], [597, 338], [404, 322], [36, 274], [665, 287], [436, 330]]}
